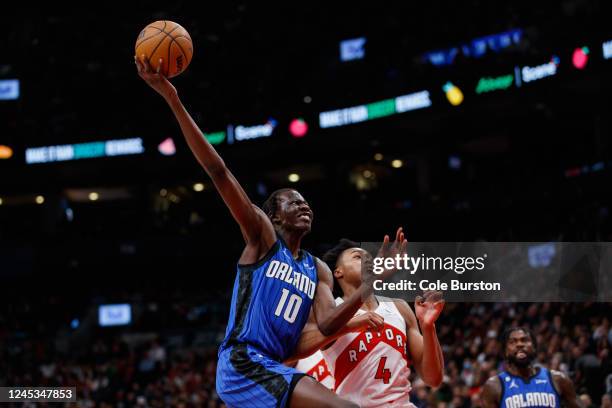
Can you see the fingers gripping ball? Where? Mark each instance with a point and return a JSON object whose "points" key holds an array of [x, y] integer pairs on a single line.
{"points": [[170, 42]]}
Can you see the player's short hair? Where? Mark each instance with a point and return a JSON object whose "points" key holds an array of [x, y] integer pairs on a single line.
{"points": [[331, 259], [506, 336], [270, 206]]}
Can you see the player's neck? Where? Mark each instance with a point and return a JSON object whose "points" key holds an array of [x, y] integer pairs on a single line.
{"points": [[371, 303], [524, 372], [292, 240]]}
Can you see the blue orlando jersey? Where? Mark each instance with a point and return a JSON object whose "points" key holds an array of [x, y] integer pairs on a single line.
{"points": [[271, 302], [539, 391]]}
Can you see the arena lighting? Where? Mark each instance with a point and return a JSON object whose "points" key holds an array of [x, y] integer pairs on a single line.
{"points": [[475, 48], [5, 152], [454, 162], [607, 49], [114, 315], [9, 89], [453, 94], [541, 256], [39, 199], [381, 109], [580, 57], [109, 148], [413, 101], [387, 107], [293, 177], [298, 127], [352, 49], [93, 196], [241, 133], [215, 137], [396, 164], [530, 74], [586, 169], [167, 147], [378, 156], [488, 84], [198, 187], [1, 201]]}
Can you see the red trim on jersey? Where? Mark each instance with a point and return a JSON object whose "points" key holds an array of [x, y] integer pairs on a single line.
{"points": [[344, 365], [316, 372]]}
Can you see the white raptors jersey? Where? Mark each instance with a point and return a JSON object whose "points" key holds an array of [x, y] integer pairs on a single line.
{"points": [[371, 368], [316, 367]]}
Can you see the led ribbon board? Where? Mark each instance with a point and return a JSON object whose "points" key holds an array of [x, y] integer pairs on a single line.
{"points": [[215, 137], [352, 49], [488, 84], [536, 73], [475, 48], [109, 148], [362, 113], [9, 89], [607, 49], [114, 315]]}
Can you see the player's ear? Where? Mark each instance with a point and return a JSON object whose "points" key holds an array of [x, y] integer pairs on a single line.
{"points": [[338, 273], [276, 220]]}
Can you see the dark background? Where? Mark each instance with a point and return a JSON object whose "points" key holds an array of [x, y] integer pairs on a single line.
{"points": [[519, 148]]}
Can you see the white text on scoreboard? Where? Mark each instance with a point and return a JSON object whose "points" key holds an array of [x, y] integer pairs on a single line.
{"points": [[109, 148]]}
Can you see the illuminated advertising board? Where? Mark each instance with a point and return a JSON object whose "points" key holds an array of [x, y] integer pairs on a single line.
{"points": [[490, 84], [374, 110], [531, 74], [241, 133], [9, 89], [109, 148], [607, 49]]}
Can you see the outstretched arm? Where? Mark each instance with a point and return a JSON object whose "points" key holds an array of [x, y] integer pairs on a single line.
{"points": [[254, 224], [312, 340], [425, 348], [331, 317]]}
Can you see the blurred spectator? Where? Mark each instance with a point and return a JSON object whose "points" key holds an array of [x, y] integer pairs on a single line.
{"points": [[155, 366]]}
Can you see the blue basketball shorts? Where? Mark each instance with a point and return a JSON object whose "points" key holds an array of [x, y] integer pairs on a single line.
{"points": [[247, 378]]}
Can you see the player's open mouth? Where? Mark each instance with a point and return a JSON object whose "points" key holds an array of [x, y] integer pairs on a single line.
{"points": [[521, 354]]}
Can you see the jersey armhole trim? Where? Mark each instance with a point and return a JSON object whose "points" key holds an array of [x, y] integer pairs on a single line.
{"points": [[552, 384], [503, 389], [263, 260]]}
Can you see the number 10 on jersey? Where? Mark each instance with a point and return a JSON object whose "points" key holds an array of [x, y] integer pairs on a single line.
{"points": [[292, 306]]}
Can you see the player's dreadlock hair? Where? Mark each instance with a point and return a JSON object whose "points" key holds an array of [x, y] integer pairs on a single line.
{"points": [[331, 259], [270, 206], [506, 335]]}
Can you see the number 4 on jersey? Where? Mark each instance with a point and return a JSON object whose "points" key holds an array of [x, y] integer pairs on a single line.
{"points": [[383, 373]]}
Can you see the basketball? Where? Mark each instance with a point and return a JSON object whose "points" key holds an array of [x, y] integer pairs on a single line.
{"points": [[170, 42]]}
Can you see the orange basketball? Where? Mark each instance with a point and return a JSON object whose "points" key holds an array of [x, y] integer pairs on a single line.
{"points": [[169, 41]]}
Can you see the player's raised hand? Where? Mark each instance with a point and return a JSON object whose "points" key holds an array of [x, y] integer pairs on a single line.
{"points": [[428, 307], [367, 321], [390, 249], [154, 78]]}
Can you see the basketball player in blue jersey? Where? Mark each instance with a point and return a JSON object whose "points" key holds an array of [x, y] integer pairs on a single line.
{"points": [[276, 283], [523, 384]]}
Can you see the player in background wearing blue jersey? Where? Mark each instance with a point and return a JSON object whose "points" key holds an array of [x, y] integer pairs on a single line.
{"points": [[523, 384], [276, 283]]}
